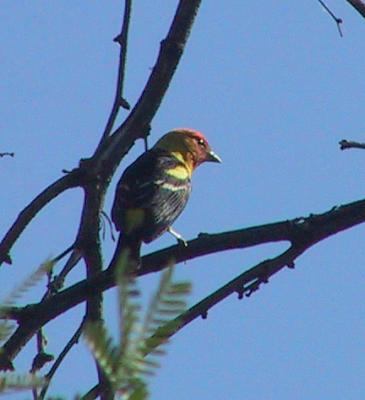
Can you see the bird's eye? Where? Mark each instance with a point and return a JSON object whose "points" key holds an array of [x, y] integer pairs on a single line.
{"points": [[201, 142]]}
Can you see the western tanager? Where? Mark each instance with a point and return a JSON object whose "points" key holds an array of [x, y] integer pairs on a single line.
{"points": [[155, 188]]}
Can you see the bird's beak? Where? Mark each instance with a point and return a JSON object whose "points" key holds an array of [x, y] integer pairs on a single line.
{"points": [[211, 156]]}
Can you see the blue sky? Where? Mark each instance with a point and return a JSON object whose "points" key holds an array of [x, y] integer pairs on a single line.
{"points": [[274, 88]]}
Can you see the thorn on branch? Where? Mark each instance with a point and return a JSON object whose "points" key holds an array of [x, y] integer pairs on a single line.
{"points": [[291, 265], [124, 103], [119, 101], [6, 259], [335, 209], [253, 287], [204, 314], [119, 39], [40, 360], [203, 235]]}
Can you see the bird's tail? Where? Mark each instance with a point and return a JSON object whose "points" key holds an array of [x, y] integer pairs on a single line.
{"points": [[127, 253]]}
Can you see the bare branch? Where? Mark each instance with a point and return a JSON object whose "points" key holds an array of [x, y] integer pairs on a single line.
{"points": [[333, 16], [71, 180], [246, 283], [57, 283], [73, 340], [94, 174], [119, 100], [358, 5], [109, 155], [93, 393], [138, 122], [301, 232], [349, 144]]}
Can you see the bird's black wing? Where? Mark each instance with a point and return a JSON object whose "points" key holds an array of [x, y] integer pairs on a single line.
{"points": [[147, 185]]}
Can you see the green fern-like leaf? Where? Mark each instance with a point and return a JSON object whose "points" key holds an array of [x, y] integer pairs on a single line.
{"points": [[101, 344], [129, 305], [125, 363], [140, 391], [152, 313], [10, 382], [7, 327], [27, 284], [168, 302]]}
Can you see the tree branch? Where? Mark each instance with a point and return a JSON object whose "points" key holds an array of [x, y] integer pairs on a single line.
{"points": [[73, 340], [119, 100], [358, 5], [71, 180], [350, 144], [301, 232], [96, 172], [333, 16], [246, 283], [107, 157], [138, 121]]}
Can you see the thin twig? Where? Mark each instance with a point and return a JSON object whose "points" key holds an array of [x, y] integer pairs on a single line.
{"points": [[40, 349], [73, 340], [92, 394], [246, 283], [137, 124], [63, 254], [350, 144], [94, 175], [336, 19], [88, 241], [119, 100], [57, 283], [73, 179]]}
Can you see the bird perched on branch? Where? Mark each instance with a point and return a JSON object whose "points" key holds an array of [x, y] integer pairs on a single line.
{"points": [[155, 188]]}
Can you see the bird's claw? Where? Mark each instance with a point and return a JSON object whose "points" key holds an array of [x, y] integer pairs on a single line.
{"points": [[177, 236]]}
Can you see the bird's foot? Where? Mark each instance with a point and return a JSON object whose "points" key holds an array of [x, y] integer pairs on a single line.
{"points": [[177, 235]]}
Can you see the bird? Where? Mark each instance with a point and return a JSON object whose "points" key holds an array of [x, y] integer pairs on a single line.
{"points": [[154, 190]]}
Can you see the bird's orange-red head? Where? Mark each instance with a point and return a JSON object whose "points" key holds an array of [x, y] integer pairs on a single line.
{"points": [[189, 145]]}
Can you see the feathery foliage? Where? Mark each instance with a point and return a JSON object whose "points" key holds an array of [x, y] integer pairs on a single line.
{"points": [[16, 293], [10, 381], [129, 362]]}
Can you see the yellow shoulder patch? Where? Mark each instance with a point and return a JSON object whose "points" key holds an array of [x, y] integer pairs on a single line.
{"points": [[179, 172]]}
